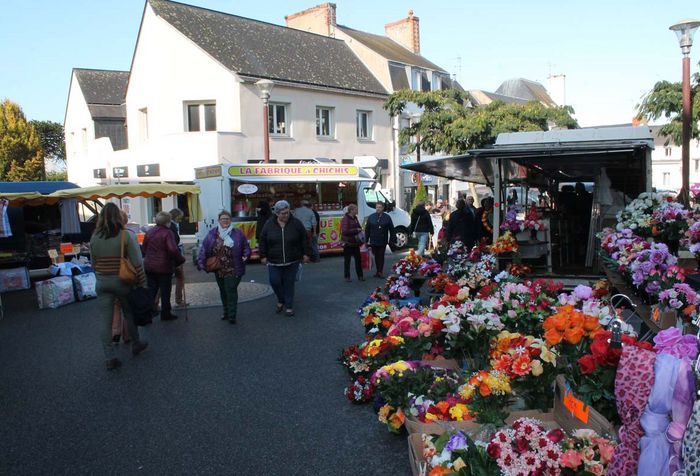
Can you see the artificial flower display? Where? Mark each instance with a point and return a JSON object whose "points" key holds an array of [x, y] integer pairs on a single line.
{"points": [[409, 265], [506, 243], [530, 365], [532, 220], [377, 352], [669, 221], [526, 448], [429, 268], [511, 223], [360, 391], [526, 304], [585, 453], [455, 452], [376, 317], [518, 269], [487, 394], [569, 326], [637, 216], [354, 363], [394, 418], [398, 287], [439, 282]]}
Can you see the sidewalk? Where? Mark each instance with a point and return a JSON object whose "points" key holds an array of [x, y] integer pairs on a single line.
{"points": [[262, 397]]}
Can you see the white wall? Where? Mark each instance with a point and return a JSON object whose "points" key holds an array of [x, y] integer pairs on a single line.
{"points": [[671, 165], [78, 118]]}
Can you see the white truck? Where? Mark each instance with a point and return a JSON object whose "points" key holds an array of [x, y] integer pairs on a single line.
{"points": [[331, 186]]}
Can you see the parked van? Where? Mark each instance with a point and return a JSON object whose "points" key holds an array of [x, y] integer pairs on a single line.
{"points": [[331, 186]]}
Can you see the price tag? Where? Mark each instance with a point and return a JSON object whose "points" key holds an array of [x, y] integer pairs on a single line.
{"points": [[53, 254], [577, 408], [66, 248]]}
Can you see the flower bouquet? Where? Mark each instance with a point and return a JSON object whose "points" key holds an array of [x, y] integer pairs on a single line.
{"points": [[681, 298], [637, 216], [532, 220], [585, 454], [409, 265], [526, 448], [376, 317], [422, 334], [487, 394], [649, 266], [506, 243], [669, 222], [530, 365], [455, 453], [527, 304], [439, 282], [354, 363], [518, 269], [378, 352], [692, 236], [511, 222], [398, 287], [429, 268], [360, 391]]}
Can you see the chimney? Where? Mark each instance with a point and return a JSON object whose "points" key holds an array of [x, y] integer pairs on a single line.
{"points": [[405, 32], [557, 88], [319, 19]]}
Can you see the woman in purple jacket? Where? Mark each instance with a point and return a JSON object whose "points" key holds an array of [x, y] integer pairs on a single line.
{"points": [[353, 238], [231, 247]]}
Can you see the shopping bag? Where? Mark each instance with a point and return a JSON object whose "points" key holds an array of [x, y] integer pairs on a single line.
{"points": [[365, 258]]}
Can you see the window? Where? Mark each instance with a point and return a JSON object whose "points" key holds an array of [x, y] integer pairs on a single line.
{"points": [[697, 165], [277, 119], [666, 178], [324, 122], [419, 80], [201, 113], [374, 196], [667, 151], [364, 126], [143, 124], [437, 82]]}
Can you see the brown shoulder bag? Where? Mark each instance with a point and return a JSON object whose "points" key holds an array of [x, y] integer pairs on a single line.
{"points": [[127, 271]]}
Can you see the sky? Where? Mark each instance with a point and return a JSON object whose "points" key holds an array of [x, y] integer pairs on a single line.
{"points": [[611, 51]]}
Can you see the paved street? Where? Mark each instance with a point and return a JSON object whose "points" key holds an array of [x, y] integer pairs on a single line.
{"points": [[262, 397]]}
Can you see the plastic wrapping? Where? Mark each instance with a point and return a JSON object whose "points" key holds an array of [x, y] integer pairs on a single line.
{"points": [[85, 286], [14, 279], [55, 292]]}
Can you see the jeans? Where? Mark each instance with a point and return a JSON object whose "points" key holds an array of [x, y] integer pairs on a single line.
{"points": [[315, 254], [282, 279], [350, 252], [108, 289], [378, 252], [228, 288], [163, 283], [422, 242]]}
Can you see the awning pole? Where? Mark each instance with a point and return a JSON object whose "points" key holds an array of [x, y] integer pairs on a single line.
{"points": [[496, 199]]}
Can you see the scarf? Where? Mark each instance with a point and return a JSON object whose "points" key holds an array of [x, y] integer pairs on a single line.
{"points": [[224, 235]]}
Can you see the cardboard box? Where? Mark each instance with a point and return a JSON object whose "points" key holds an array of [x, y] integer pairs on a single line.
{"points": [[572, 414]]}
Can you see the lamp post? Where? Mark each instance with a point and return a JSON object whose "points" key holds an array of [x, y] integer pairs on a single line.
{"points": [[265, 86], [685, 31]]}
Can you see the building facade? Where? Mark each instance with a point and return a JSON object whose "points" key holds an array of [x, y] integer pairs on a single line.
{"points": [[667, 169]]}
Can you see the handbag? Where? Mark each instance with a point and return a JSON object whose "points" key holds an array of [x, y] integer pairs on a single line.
{"points": [[127, 271], [212, 264]]}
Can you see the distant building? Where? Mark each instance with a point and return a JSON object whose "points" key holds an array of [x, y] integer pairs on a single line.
{"points": [[667, 169]]}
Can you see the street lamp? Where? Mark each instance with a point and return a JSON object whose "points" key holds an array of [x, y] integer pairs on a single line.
{"points": [[265, 86], [685, 31]]}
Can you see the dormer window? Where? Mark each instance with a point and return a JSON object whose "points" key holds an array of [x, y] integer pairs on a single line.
{"points": [[419, 79]]}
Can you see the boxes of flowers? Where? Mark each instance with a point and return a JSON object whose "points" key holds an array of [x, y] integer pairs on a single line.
{"points": [[526, 447]]}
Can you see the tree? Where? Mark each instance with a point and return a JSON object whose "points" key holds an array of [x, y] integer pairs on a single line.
{"points": [[421, 195], [56, 175], [666, 100], [21, 156], [449, 125], [52, 141]]}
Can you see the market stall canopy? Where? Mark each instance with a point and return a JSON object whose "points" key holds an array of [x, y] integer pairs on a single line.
{"points": [[563, 155], [159, 190]]}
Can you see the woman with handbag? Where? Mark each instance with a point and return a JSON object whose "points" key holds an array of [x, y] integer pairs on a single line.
{"points": [[421, 226], [353, 238], [160, 257], [224, 251], [118, 267]]}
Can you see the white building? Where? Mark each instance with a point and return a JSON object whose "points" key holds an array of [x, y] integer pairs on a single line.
{"points": [[667, 170], [191, 101]]}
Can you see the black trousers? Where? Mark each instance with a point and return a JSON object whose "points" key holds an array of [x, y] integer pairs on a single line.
{"points": [[163, 283], [378, 252], [350, 252]]}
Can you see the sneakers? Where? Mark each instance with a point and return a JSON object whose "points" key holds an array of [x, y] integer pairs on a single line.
{"points": [[289, 312], [113, 364], [138, 347]]}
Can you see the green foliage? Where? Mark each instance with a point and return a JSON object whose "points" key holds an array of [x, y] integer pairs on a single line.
{"points": [[666, 100], [21, 156], [449, 125], [57, 175], [421, 195], [52, 140]]}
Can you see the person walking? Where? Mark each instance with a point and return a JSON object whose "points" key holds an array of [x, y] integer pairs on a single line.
{"points": [[353, 237], [106, 247], [379, 232], [161, 257], [176, 217], [283, 245], [307, 218], [422, 226], [230, 247], [264, 212], [457, 226]]}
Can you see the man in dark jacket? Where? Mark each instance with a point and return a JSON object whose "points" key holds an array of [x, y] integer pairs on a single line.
{"points": [[458, 224], [422, 226], [160, 258], [379, 232], [283, 246]]}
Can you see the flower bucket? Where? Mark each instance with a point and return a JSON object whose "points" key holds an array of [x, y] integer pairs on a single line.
{"points": [[573, 415]]}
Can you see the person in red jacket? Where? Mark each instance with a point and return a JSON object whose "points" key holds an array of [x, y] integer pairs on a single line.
{"points": [[160, 257]]}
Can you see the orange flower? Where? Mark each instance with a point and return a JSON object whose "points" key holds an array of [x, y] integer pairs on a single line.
{"points": [[553, 337], [689, 310], [397, 420], [439, 471], [443, 406], [522, 365], [484, 390], [591, 323], [574, 335], [576, 319], [503, 363]]}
